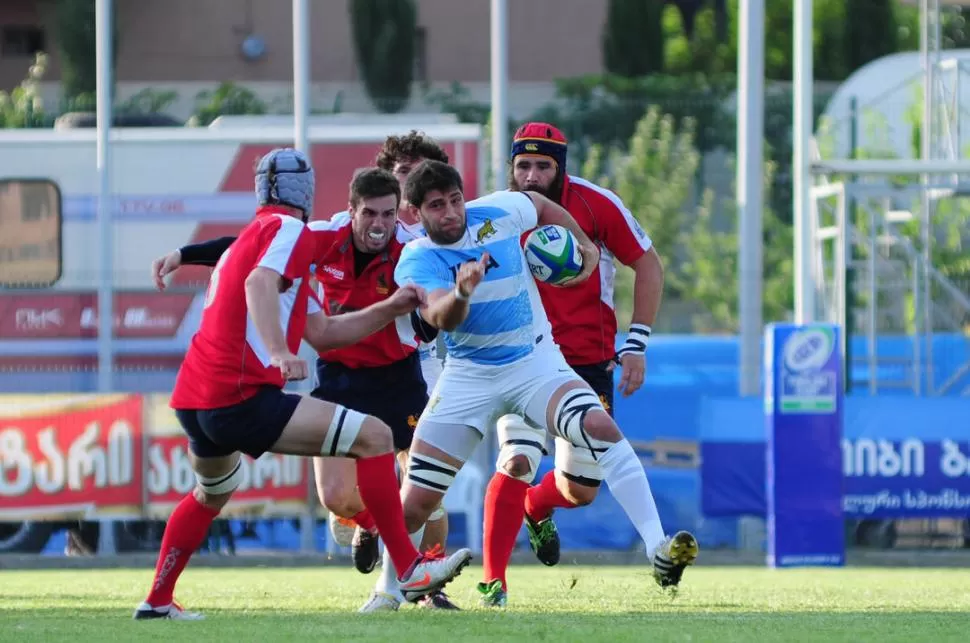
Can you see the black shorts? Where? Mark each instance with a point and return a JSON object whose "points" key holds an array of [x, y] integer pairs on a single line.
{"points": [[252, 427], [396, 394], [601, 380]]}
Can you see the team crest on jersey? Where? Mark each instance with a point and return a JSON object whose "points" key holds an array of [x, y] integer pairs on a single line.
{"points": [[413, 421], [382, 287], [487, 230]]}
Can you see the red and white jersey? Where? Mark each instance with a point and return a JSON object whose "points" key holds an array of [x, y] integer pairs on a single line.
{"points": [[582, 317], [227, 361], [341, 290]]}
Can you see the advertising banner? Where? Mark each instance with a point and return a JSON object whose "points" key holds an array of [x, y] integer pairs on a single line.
{"points": [[803, 414]]}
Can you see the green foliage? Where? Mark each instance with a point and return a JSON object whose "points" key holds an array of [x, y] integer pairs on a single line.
{"points": [[871, 31], [706, 52], [632, 40], [385, 44], [148, 101], [23, 107], [457, 100], [227, 99], [655, 176], [77, 40]]}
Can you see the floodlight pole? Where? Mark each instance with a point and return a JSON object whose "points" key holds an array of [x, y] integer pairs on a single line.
{"points": [[301, 75], [301, 141], [802, 135], [103, 56], [750, 201], [500, 89]]}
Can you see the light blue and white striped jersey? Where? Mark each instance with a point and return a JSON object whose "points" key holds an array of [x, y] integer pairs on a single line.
{"points": [[502, 320]]}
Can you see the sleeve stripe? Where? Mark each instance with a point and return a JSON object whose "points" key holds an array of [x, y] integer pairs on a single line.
{"points": [[337, 221], [278, 254], [645, 242]]}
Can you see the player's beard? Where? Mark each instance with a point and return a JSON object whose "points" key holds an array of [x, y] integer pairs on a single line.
{"points": [[443, 237], [553, 192]]}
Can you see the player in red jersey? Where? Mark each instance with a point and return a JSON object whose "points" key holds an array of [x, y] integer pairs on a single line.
{"points": [[357, 252], [229, 396], [584, 326]]}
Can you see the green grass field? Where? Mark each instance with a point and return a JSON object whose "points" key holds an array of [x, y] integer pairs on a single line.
{"points": [[566, 603]]}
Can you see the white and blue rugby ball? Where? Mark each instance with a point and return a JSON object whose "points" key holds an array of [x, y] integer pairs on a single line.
{"points": [[553, 254]]}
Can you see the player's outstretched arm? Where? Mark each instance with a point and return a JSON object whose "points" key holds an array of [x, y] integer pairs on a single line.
{"points": [[551, 213], [206, 253], [447, 309], [327, 333]]}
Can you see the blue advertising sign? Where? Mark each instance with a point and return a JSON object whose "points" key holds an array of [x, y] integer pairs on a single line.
{"points": [[803, 417]]}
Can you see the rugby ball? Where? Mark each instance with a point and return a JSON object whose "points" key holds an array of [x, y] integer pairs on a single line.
{"points": [[552, 253]]}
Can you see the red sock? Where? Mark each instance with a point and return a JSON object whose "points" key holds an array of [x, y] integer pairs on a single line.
{"points": [[365, 520], [504, 512], [185, 531], [544, 497], [377, 483]]}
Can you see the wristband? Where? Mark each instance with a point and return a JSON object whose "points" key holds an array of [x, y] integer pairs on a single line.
{"points": [[459, 295], [636, 341]]}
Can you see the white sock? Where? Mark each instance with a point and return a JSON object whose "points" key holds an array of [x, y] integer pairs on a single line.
{"points": [[628, 483], [387, 582]]}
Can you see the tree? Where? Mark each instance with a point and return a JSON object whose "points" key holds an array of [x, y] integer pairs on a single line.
{"points": [[384, 42], [656, 181], [633, 38], [871, 31], [77, 40]]}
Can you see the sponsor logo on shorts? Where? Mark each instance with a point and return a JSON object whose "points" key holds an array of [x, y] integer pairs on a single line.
{"points": [[433, 404], [413, 421]]}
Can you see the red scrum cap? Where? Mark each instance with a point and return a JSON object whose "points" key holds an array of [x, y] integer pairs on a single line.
{"points": [[543, 139]]}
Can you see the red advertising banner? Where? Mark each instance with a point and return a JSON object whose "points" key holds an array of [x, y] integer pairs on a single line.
{"points": [[65, 457], [75, 315], [273, 484], [71, 457]]}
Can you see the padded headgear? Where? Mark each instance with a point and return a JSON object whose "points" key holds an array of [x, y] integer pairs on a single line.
{"points": [[284, 177], [541, 138]]}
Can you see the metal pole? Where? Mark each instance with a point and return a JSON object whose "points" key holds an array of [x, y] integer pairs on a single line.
{"points": [[103, 56], [500, 87], [803, 117], [750, 172], [102, 19], [301, 75], [850, 272], [301, 141]]}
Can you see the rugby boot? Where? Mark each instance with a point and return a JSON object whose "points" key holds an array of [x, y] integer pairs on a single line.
{"points": [[342, 529], [173, 612], [380, 602], [492, 594], [365, 550], [672, 557], [437, 601], [543, 539], [431, 571]]}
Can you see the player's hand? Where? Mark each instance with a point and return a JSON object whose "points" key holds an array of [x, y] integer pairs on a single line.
{"points": [[164, 266], [407, 298], [292, 367], [591, 259], [471, 274], [634, 367]]}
